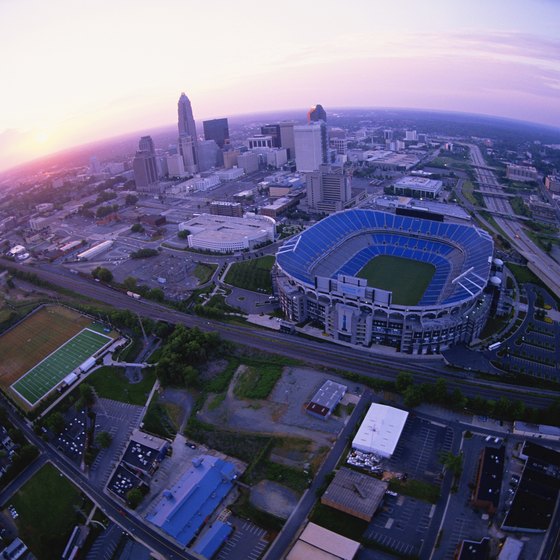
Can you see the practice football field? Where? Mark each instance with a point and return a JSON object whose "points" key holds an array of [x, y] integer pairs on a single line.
{"points": [[406, 278], [39, 380]]}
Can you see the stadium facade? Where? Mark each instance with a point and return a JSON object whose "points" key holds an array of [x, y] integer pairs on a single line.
{"points": [[316, 279]]}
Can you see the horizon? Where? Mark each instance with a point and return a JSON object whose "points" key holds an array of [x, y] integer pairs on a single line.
{"points": [[111, 69]]}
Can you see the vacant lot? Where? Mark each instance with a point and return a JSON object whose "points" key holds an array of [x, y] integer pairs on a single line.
{"points": [[48, 510], [256, 382], [407, 279], [252, 275], [35, 338]]}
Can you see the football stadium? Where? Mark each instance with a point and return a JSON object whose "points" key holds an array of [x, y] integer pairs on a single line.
{"points": [[370, 277]]}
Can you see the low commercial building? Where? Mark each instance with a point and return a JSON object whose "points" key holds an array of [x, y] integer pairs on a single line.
{"points": [[230, 174], [381, 430], [486, 493], [226, 234], [419, 187], [540, 431], [95, 251], [354, 493], [280, 206], [182, 510], [326, 399], [210, 542], [552, 183], [511, 550], [224, 208], [248, 161], [473, 550], [522, 173], [318, 543], [144, 453]]}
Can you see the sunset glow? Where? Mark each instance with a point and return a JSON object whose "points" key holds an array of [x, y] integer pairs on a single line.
{"points": [[74, 72]]}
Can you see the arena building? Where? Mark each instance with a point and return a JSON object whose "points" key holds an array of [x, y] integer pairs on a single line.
{"points": [[370, 277], [227, 234]]}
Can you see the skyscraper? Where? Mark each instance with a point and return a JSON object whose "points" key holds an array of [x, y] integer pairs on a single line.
{"points": [[146, 144], [217, 130], [187, 129], [287, 138], [317, 114], [311, 146], [272, 130], [328, 189]]}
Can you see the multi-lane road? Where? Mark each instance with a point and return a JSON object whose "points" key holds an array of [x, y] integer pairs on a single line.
{"points": [[546, 268]]}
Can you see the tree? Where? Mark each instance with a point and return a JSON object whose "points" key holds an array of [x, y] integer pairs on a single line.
{"points": [[156, 294], [87, 396], [439, 393], [134, 497], [143, 253], [55, 422], [183, 234], [130, 283], [453, 463], [403, 381], [103, 439], [413, 396], [103, 274], [130, 199], [137, 228]]}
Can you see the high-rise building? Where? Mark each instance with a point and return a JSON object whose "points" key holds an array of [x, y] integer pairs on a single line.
{"points": [[287, 138], [272, 130], [209, 155], [186, 148], [260, 141], [316, 114], [311, 146], [175, 166], [328, 189], [187, 129], [145, 172], [411, 135], [388, 134], [146, 144], [217, 130]]}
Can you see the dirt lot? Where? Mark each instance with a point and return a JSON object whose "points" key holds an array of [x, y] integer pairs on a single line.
{"points": [[282, 413], [274, 498], [34, 338]]}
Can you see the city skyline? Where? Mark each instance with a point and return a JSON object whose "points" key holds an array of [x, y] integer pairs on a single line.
{"points": [[497, 60]]}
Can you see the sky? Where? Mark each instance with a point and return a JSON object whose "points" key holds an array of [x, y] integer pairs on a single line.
{"points": [[72, 72]]}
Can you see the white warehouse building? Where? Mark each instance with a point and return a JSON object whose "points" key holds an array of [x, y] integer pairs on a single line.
{"points": [[380, 431], [227, 234]]}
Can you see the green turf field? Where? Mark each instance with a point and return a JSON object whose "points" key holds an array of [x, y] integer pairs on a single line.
{"points": [[252, 275], [37, 382], [407, 279]]}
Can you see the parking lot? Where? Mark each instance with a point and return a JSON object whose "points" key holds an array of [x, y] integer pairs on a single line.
{"points": [[419, 449], [401, 525], [248, 541]]}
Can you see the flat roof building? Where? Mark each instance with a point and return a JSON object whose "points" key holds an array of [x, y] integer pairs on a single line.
{"points": [[211, 541], [325, 399], [486, 493], [318, 543], [225, 234], [522, 173], [182, 510], [473, 550], [355, 493], [418, 186], [380, 431]]}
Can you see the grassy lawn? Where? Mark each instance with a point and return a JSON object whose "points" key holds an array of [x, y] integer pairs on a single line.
{"points": [[252, 275], [111, 383], [407, 279], [160, 420], [416, 489], [47, 512], [257, 382], [204, 271], [475, 199]]}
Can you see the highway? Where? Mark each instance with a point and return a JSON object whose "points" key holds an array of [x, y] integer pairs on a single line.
{"points": [[546, 268], [316, 353]]}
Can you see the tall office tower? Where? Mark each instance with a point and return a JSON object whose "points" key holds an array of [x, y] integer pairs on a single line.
{"points": [[146, 144], [388, 134], [311, 145], [186, 148], [411, 135], [260, 141], [217, 130], [145, 172], [175, 166], [272, 130], [317, 114], [328, 189], [209, 155], [187, 128], [287, 138]]}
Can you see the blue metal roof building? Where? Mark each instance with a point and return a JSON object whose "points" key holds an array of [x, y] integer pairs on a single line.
{"points": [[213, 539], [183, 509]]}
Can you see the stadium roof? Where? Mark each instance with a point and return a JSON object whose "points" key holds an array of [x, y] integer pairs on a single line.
{"points": [[380, 431], [182, 510]]}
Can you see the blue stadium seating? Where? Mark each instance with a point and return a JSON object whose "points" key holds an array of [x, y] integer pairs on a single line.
{"points": [[438, 243]]}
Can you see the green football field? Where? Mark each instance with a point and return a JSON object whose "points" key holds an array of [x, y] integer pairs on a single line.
{"points": [[38, 381], [407, 279]]}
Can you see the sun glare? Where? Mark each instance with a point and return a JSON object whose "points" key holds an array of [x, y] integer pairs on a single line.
{"points": [[41, 137]]}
